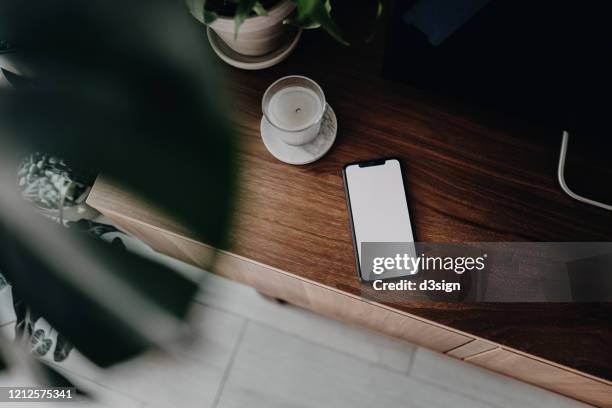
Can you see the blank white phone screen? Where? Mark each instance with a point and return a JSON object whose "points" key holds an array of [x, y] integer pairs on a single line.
{"points": [[378, 203]]}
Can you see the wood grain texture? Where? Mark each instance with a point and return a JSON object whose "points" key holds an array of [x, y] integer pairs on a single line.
{"points": [[471, 174], [186, 250], [338, 305], [472, 348], [293, 289], [545, 375]]}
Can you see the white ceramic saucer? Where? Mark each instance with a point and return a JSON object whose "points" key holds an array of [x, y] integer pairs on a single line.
{"points": [[249, 62], [307, 153]]}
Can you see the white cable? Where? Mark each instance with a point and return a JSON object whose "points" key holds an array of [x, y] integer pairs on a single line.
{"points": [[561, 174]]}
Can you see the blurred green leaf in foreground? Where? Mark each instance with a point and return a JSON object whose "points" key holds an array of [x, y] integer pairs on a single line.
{"points": [[123, 88]]}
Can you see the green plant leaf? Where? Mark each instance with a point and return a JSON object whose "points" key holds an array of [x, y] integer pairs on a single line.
{"points": [[109, 303], [310, 25], [209, 16], [377, 19], [259, 9], [197, 8], [316, 13], [143, 109], [164, 124], [242, 12]]}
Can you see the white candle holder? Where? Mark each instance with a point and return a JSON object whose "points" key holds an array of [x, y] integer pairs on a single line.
{"points": [[294, 105], [298, 126]]}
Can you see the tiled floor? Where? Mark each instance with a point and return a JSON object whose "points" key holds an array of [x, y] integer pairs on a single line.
{"points": [[252, 352]]}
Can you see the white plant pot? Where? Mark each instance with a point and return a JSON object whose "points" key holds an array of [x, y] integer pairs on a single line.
{"points": [[13, 62], [258, 35]]}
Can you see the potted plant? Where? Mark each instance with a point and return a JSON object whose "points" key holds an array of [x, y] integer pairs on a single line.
{"points": [[255, 28], [10, 64]]}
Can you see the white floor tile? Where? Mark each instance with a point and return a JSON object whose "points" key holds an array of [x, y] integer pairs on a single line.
{"points": [[189, 378], [482, 384], [275, 369], [100, 396], [164, 382], [8, 331], [7, 310], [359, 342]]}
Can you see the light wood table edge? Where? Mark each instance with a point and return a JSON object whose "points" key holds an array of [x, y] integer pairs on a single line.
{"points": [[602, 397], [111, 214]]}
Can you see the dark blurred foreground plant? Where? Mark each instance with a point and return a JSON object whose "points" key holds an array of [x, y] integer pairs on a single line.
{"points": [[123, 88]]}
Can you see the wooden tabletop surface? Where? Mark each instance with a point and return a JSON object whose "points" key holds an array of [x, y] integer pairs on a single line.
{"points": [[472, 175]]}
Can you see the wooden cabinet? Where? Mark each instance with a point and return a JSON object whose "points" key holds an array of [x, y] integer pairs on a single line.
{"points": [[283, 285], [559, 379], [472, 348], [352, 309]]}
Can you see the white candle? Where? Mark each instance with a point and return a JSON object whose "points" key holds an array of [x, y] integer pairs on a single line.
{"points": [[294, 108]]}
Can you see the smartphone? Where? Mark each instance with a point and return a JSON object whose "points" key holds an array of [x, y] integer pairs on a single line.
{"points": [[378, 207]]}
